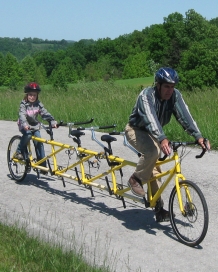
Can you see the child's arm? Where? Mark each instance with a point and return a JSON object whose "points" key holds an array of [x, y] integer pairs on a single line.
{"points": [[46, 115], [23, 123]]}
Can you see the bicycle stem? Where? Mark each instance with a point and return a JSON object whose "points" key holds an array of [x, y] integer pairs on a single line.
{"points": [[95, 139], [126, 143]]}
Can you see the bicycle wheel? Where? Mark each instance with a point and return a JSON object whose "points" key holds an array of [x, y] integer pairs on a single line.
{"points": [[191, 226], [16, 168]]}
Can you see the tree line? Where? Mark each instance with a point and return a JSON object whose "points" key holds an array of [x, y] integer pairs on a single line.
{"points": [[186, 43]]}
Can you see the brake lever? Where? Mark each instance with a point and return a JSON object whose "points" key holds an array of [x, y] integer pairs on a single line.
{"points": [[206, 144], [203, 149], [163, 158], [202, 154]]}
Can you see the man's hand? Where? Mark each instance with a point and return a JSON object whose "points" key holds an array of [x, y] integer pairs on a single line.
{"points": [[204, 145], [165, 147]]}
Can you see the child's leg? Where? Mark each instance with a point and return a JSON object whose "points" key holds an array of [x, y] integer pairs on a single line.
{"points": [[22, 146], [39, 148]]}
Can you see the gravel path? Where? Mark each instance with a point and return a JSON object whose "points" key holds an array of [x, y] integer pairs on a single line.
{"points": [[126, 239]]}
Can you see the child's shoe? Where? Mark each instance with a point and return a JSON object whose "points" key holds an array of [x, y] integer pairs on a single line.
{"points": [[18, 156]]}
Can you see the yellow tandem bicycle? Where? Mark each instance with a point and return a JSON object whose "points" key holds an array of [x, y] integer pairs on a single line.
{"points": [[187, 205]]}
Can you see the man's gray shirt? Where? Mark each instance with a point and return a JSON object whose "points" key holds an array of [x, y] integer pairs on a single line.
{"points": [[151, 114]]}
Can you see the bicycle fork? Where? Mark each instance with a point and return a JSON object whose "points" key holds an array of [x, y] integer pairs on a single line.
{"points": [[186, 203]]}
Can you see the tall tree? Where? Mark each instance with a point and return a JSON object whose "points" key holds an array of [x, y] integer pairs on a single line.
{"points": [[175, 28], [13, 73], [47, 59], [198, 66], [2, 69], [40, 75], [102, 69], [28, 67], [195, 26], [157, 42], [59, 79], [137, 66]]}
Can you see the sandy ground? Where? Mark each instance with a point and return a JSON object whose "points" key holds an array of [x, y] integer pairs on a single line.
{"points": [[125, 239]]}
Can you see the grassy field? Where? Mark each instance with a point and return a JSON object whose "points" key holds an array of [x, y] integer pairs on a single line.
{"points": [[136, 82], [111, 103], [108, 103]]}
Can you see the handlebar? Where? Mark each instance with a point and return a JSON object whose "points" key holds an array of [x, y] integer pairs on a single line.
{"points": [[176, 145], [96, 128], [92, 129], [205, 141], [61, 123], [73, 133], [48, 128], [41, 125], [116, 133]]}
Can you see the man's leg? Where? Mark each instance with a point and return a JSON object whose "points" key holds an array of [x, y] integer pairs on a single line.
{"points": [[144, 143], [155, 185]]}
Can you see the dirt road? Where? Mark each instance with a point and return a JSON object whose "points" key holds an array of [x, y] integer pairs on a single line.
{"points": [[126, 239]]}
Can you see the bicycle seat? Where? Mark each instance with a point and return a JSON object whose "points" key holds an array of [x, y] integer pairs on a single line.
{"points": [[77, 133], [108, 138]]}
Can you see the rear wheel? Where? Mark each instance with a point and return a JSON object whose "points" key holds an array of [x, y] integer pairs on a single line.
{"points": [[16, 167], [191, 225]]}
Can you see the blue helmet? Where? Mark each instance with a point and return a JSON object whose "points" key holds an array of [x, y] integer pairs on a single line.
{"points": [[166, 75]]}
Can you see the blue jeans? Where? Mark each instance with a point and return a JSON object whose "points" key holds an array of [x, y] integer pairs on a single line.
{"points": [[39, 147]]}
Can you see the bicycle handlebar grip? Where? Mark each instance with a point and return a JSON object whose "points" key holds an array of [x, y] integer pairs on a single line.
{"points": [[104, 127], [205, 143], [114, 133], [75, 124], [204, 149], [85, 122], [61, 123], [201, 155]]}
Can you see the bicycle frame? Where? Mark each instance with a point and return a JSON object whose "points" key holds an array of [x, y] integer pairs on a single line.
{"points": [[79, 150], [174, 171], [84, 155]]}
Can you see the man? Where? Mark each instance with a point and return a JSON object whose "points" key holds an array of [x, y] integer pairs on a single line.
{"points": [[153, 110]]}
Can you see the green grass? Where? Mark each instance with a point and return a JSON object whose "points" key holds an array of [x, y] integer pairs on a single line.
{"points": [[136, 82], [20, 252]]}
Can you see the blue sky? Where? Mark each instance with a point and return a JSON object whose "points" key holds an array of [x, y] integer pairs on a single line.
{"points": [[90, 19]]}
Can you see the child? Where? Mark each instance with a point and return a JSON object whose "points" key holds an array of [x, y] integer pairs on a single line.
{"points": [[29, 109]]}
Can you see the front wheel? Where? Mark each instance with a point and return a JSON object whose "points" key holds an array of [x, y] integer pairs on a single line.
{"points": [[17, 168], [190, 225]]}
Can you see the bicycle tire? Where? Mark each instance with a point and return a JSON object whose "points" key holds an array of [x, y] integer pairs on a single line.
{"points": [[17, 169], [190, 227]]}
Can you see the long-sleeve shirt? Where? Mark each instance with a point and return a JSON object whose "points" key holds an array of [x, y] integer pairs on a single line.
{"points": [[150, 113], [28, 113]]}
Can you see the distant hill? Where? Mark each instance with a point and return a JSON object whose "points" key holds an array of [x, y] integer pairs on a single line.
{"points": [[28, 46]]}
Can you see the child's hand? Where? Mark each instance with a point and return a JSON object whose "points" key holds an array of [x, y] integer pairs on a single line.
{"points": [[26, 127]]}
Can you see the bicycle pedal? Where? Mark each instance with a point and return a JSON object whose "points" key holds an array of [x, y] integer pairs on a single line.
{"points": [[45, 173], [28, 170]]}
